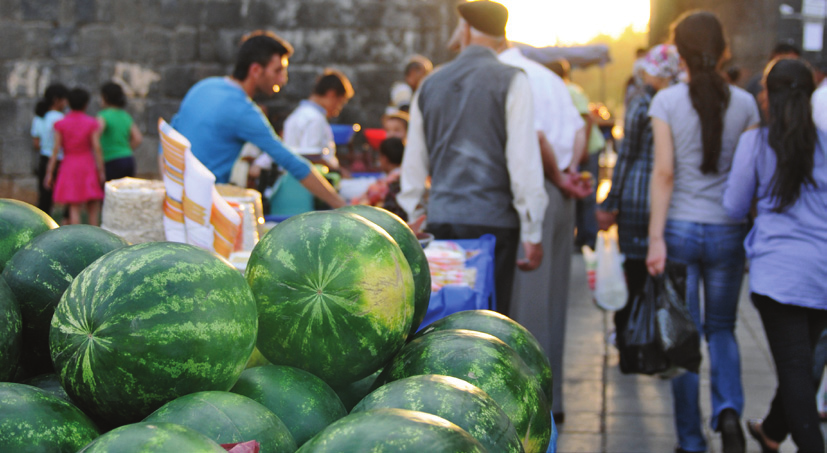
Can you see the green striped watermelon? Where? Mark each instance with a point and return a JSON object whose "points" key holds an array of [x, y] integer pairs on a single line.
{"points": [[454, 400], [20, 223], [305, 403], [50, 384], [11, 332], [393, 431], [33, 421], [334, 295], [486, 362], [227, 418], [153, 438], [40, 272], [148, 323], [405, 237], [507, 330]]}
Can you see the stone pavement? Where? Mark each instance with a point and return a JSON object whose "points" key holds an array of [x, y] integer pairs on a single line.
{"points": [[608, 412]]}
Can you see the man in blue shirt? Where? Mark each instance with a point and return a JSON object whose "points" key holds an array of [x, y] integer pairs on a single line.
{"points": [[218, 115]]}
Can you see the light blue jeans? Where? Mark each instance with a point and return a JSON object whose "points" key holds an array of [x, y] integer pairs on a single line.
{"points": [[713, 254]]}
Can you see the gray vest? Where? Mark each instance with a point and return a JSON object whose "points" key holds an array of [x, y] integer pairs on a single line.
{"points": [[463, 109]]}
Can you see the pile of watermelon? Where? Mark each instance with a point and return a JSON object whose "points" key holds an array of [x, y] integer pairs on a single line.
{"points": [[317, 347]]}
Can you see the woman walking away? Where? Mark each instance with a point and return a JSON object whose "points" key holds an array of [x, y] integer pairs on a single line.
{"points": [[696, 126], [627, 204], [81, 174], [119, 136], [783, 166], [53, 102]]}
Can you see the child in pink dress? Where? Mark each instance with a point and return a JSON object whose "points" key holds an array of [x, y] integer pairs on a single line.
{"points": [[81, 176]]}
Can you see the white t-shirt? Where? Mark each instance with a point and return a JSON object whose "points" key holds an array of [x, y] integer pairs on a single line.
{"points": [[554, 112], [819, 101]]}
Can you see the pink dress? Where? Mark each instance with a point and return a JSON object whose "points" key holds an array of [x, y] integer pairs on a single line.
{"points": [[77, 179]]}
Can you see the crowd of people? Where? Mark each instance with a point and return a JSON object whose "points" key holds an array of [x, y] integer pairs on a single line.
{"points": [[708, 175], [78, 153]]}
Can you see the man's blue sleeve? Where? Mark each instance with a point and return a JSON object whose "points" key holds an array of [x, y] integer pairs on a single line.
{"points": [[254, 128]]}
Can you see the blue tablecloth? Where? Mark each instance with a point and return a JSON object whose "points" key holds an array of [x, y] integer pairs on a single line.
{"points": [[453, 298]]}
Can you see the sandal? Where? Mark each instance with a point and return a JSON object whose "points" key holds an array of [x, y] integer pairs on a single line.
{"points": [[754, 428]]}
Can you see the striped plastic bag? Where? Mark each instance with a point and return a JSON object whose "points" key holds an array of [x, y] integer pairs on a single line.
{"points": [[194, 212]]}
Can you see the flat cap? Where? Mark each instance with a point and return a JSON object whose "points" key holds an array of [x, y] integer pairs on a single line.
{"points": [[484, 15]]}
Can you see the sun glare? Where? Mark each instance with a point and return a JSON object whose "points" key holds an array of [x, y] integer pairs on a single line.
{"points": [[560, 22]]}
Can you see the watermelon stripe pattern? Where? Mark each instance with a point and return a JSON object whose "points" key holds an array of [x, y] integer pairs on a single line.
{"points": [[334, 295], [405, 237], [153, 438], [20, 223], [227, 418], [40, 272], [305, 403], [393, 431], [148, 323], [486, 362], [11, 332], [453, 399], [32, 420], [506, 329]]}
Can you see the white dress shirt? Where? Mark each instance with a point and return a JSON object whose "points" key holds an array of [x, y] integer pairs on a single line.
{"points": [[522, 153], [554, 112], [306, 131]]}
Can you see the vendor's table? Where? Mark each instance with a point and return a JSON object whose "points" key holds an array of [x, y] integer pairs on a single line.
{"points": [[454, 298]]}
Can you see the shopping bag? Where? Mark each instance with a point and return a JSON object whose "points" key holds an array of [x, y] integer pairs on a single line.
{"points": [[610, 291], [678, 335], [638, 343]]}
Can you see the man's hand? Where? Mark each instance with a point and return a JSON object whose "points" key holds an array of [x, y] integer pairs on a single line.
{"points": [[254, 171], [533, 257], [416, 225], [574, 186], [605, 219]]}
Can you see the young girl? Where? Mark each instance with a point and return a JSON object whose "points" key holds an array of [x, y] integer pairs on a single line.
{"points": [[119, 133], [52, 106], [696, 126], [81, 173], [784, 167]]}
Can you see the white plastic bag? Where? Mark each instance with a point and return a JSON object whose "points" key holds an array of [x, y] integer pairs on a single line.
{"points": [[610, 291]]}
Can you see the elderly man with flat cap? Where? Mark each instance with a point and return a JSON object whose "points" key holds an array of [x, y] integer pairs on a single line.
{"points": [[472, 130]]}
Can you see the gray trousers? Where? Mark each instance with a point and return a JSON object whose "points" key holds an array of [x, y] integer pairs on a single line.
{"points": [[539, 298]]}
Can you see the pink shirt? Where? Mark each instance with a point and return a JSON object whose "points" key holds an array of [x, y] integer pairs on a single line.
{"points": [[76, 130]]}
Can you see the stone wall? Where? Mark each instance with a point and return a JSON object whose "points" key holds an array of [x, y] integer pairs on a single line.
{"points": [[157, 49]]}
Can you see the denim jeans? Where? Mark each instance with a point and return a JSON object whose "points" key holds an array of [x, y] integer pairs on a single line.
{"points": [[714, 255]]}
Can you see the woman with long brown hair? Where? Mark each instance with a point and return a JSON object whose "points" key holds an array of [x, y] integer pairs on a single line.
{"points": [[783, 167], [696, 126]]}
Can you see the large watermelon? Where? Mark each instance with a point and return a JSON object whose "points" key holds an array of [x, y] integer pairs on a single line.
{"points": [[19, 224], [454, 400], [227, 418], [50, 384], [153, 438], [507, 330], [486, 362], [40, 272], [405, 237], [33, 421], [148, 323], [11, 331], [393, 431], [305, 403], [334, 295]]}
